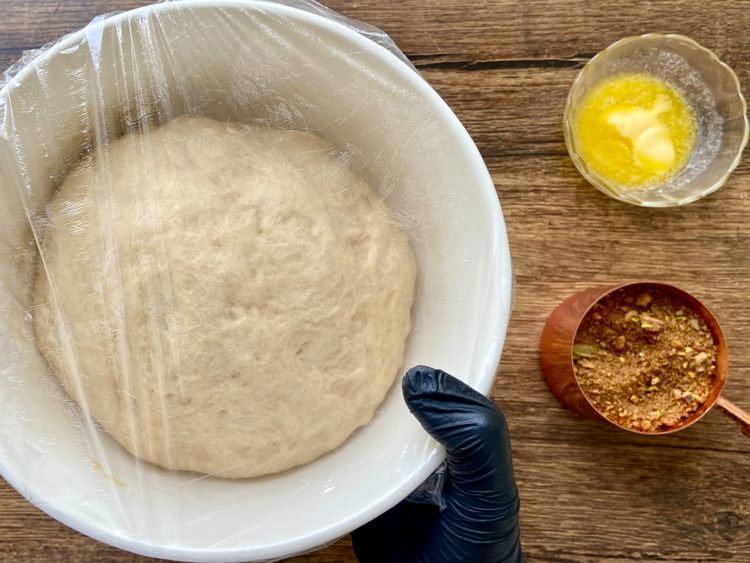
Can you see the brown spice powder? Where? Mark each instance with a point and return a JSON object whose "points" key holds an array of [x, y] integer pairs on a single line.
{"points": [[644, 358]]}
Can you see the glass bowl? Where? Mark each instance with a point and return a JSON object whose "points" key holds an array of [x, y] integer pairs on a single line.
{"points": [[711, 88]]}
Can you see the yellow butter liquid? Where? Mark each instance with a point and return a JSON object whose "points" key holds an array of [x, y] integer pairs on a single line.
{"points": [[635, 130]]}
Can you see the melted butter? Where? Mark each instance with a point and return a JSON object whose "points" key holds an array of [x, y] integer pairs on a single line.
{"points": [[635, 130]]}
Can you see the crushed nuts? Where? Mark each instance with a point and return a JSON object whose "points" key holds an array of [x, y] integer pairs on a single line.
{"points": [[644, 358], [643, 300]]}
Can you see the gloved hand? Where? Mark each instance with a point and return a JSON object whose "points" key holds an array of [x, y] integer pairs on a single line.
{"points": [[479, 521]]}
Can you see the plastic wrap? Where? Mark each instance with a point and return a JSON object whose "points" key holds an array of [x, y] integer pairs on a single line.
{"points": [[246, 64]]}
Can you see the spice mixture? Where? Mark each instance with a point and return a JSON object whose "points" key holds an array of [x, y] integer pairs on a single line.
{"points": [[644, 358]]}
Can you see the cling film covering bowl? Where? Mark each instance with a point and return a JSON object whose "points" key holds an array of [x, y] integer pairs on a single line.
{"points": [[284, 66]]}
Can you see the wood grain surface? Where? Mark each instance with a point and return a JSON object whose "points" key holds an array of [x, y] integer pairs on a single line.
{"points": [[589, 492]]}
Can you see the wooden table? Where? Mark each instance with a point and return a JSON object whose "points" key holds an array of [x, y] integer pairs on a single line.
{"points": [[589, 492]]}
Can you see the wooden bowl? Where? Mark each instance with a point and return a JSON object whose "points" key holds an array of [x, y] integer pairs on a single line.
{"points": [[556, 356]]}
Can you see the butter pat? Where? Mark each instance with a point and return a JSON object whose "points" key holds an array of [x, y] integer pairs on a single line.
{"points": [[652, 143], [654, 148]]}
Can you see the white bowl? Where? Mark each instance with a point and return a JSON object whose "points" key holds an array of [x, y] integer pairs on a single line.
{"points": [[287, 67]]}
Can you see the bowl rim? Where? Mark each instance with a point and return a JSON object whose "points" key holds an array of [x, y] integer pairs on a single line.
{"points": [[601, 184], [494, 319]]}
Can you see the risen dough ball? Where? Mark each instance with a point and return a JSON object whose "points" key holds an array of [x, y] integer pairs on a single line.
{"points": [[223, 299]]}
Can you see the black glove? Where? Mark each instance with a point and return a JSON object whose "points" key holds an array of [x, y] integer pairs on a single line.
{"points": [[478, 522]]}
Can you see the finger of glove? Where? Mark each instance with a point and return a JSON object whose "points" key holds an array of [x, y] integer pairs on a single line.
{"points": [[481, 494]]}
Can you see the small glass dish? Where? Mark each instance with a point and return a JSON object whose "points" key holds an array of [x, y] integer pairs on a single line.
{"points": [[711, 88]]}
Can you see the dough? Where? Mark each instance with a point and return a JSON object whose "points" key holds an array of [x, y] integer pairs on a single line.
{"points": [[223, 299]]}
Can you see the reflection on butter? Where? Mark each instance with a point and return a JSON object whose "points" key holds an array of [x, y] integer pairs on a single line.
{"points": [[635, 130]]}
